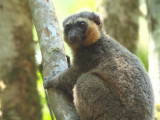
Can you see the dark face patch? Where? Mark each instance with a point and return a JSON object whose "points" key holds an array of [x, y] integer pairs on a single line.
{"points": [[75, 32]]}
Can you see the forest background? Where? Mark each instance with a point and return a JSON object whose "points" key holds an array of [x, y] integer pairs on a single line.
{"points": [[134, 24]]}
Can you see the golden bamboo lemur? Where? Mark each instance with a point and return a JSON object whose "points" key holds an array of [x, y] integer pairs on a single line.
{"points": [[107, 82]]}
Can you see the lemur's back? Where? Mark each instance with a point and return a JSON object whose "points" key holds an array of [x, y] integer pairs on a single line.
{"points": [[130, 92]]}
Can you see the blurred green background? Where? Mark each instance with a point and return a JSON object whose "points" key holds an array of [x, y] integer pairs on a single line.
{"points": [[144, 47]]}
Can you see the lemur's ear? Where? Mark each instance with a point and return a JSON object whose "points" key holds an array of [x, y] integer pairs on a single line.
{"points": [[97, 19]]}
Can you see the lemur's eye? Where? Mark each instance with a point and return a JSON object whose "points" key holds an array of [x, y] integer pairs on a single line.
{"points": [[82, 24], [67, 27]]}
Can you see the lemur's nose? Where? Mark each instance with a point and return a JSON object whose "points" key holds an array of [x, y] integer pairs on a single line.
{"points": [[73, 37]]}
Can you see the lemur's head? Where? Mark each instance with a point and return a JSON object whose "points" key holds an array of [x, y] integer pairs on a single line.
{"points": [[82, 29]]}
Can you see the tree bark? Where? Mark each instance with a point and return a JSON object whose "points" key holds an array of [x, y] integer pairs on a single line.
{"points": [[18, 90], [154, 46], [121, 21], [53, 57]]}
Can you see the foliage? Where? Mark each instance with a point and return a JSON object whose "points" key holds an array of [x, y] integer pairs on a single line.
{"points": [[157, 112], [142, 51], [45, 110]]}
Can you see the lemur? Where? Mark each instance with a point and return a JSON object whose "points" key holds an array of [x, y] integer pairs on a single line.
{"points": [[107, 81]]}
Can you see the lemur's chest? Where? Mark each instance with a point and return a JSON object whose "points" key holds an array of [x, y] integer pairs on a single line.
{"points": [[86, 62]]}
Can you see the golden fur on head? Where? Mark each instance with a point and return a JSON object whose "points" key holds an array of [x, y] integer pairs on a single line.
{"points": [[92, 34]]}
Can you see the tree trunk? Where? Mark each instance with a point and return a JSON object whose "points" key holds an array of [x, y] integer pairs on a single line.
{"points": [[121, 21], [154, 46], [19, 95], [53, 57]]}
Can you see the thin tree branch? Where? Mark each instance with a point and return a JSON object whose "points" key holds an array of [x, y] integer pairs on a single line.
{"points": [[53, 57]]}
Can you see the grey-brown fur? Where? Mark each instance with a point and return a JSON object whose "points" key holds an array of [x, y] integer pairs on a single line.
{"points": [[108, 82]]}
